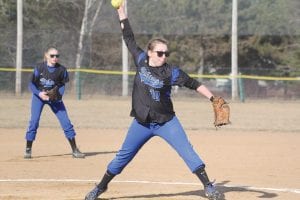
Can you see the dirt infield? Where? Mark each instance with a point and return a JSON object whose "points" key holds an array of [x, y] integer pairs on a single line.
{"points": [[257, 157]]}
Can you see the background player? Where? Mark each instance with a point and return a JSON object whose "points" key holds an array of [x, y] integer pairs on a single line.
{"points": [[46, 76], [152, 110]]}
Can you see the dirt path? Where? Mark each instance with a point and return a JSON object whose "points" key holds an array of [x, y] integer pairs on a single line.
{"points": [[257, 157]]}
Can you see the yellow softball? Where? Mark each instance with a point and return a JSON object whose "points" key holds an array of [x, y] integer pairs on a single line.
{"points": [[116, 3]]}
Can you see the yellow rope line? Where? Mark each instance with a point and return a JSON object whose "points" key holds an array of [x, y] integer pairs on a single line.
{"points": [[111, 72]]}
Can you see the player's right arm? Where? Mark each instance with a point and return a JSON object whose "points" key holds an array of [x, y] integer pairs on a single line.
{"points": [[127, 32], [34, 89], [121, 11]]}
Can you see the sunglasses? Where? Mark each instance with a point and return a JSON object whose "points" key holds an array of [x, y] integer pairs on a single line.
{"points": [[161, 53], [54, 55]]}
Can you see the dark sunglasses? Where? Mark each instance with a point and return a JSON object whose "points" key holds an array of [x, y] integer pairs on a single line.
{"points": [[161, 53], [53, 55]]}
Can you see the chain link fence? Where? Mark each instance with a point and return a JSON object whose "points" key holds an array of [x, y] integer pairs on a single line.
{"points": [[199, 40], [95, 84]]}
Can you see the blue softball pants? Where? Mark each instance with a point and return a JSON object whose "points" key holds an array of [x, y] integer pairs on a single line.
{"points": [[58, 108], [138, 134]]}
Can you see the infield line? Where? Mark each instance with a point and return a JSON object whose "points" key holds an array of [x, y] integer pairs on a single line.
{"points": [[290, 190]]}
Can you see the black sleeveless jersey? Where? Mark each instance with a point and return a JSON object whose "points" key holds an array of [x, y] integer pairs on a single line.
{"points": [[151, 94], [45, 80]]}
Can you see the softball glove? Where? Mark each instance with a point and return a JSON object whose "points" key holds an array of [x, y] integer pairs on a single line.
{"points": [[53, 94], [221, 111]]}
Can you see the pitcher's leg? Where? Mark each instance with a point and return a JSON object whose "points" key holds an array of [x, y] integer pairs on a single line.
{"points": [[173, 133], [209, 188], [101, 187], [136, 137]]}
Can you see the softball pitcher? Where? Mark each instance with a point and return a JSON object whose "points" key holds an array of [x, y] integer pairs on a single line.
{"points": [[46, 76], [153, 112]]}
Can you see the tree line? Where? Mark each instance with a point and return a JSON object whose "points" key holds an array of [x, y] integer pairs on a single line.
{"points": [[198, 31]]}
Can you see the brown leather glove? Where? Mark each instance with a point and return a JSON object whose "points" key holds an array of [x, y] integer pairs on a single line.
{"points": [[221, 111], [53, 94]]}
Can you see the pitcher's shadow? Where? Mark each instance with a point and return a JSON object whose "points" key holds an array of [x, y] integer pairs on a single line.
{"points": [[87, 154], [220, 187]]}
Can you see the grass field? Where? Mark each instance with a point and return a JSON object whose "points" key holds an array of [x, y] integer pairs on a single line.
{"points": [[256, 157]]}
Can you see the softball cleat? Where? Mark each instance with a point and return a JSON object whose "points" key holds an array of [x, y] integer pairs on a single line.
{"points": [[27, 154], [77, 154], [93, 195], [211, 193]]}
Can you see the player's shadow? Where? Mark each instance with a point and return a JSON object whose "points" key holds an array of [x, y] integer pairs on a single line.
{"points": [[220, 187], [87, 154]]}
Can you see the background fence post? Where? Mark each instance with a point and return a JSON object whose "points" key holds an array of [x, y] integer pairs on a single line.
{"points": [[78, 85], [241, 88]]}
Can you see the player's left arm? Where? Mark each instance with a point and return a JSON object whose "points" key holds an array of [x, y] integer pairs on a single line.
{"points": [[181, 78], [61, 84], [202, 89], [61, 90]]}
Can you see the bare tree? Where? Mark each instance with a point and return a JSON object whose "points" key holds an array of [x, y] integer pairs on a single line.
{"points": [[86, 30]]}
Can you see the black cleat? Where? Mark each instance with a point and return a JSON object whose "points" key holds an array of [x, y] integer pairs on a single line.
{"points": [[211, 193], [27, 154], [93, 195], [77, 154]]}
